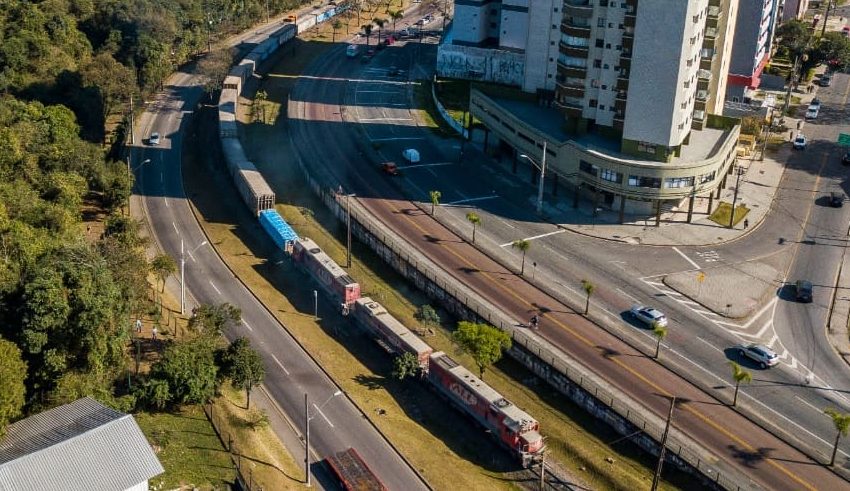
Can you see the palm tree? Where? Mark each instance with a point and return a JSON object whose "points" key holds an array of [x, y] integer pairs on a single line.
{"points": [[380, 23], [588, 290], [660, 333], [395, 15], [367, 28], [523, 246], [842, 425], [741, 376], [435, 200], [336, 25], [475, 220]]}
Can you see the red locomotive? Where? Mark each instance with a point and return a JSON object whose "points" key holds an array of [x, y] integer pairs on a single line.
{"points": [[353, 473], [390, 333], [324, 270], [514, 428]]}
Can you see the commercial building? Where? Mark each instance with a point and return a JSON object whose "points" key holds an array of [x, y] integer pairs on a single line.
{"points": [[757, 20], [792, 9], [639, 89], [511, 42]]}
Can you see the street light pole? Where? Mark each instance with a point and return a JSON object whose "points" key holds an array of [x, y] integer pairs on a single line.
{"points": [[542, 168], [183, 274], [315, 304], [307, 419], [348, 232]]}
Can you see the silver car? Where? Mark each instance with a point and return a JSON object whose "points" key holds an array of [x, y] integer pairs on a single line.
{"points": [[650, 316], [759, 353], [154, 139]]}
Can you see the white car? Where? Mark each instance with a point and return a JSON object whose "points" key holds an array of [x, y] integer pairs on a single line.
{"points": [[154, 139], [812, 112], [760, 354], [800, 142], [650, 316]]}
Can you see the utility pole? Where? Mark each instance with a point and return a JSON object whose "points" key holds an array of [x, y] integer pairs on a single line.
{"points": [[825, 17], [132, 130], [315, 305], [182, 279], [348, 225], [657, 476], [540, 184], [738, 171]]}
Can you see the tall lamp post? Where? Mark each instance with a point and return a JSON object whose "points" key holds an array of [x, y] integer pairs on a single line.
{"points": [[794, 76], [307, 419], [542, 168], [183, 274]]}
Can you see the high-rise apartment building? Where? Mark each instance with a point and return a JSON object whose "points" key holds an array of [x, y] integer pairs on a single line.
{"points": [[754, 29]]}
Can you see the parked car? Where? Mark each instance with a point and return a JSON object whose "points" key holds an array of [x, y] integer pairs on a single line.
{"points": [[825, 80], [836, 199], [154, 139], [390, 168], [812, 112], [800, 142], [846, 159], [815, 103], [803, 291], [650, 316], [759, 353]]}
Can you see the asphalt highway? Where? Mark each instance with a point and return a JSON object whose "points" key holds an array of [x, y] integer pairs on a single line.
{"points": [[336, 424], [326, 106]]}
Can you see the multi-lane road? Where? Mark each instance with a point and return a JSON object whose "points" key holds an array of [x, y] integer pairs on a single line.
{"points": [[361, 106], [336, 423]]}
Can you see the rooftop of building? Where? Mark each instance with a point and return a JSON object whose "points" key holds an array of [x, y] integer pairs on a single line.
{"points": [[550, 121]]}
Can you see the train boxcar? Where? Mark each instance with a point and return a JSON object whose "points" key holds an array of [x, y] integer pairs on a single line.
{"points": [[254, 190], [390, 332], [227, 112], [353, 473], [234, 156], [232, 82], [285, 33], [514, 428], [328, 273], [281, 233]]}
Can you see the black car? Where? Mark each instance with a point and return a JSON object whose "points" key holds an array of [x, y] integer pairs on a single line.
{"points": [[836, 200], [846, 159], [804, 291]]}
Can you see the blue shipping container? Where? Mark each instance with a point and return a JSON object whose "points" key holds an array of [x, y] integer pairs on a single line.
{"points": [[277, 228]]}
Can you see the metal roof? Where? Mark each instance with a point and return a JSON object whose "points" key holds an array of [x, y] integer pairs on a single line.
{"points": [[81, 445]]}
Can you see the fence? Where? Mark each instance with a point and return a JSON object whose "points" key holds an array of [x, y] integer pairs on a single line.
{"points": [[246, 481]]}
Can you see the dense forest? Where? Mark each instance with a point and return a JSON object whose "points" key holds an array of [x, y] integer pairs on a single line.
{"points": [[68, 69]]}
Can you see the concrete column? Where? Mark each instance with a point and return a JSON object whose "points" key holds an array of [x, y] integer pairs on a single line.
{"points": [[710, 201], [720, 189], [691, 207], [658, 213], [622, 209], [722, 184]]}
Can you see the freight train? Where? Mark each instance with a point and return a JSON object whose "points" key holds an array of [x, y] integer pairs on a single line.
{"points": [[512, 427]]}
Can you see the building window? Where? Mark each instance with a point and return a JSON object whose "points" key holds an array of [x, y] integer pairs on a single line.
{"points": [[706, 177], [602, 107], [600, 43], [588, 168], [605, 66], [597, 63], [603, 3], [574, 81], [600, 22], [646, 147], [592, 103], [574, 41], [578, 21], [609, 175], [572, 61], [594, 84], [645, 182], [678, 182]]}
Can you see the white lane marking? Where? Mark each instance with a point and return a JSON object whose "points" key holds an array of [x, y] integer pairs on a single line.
{"points": [[214, 287], [705, 312], [367, 120], [670, 292], [248, 326], [166, 202], [394, 138], [506, 223], [280, 364], [416, 166], [709, 344], [688, 302], [191, 256], [760, 312], [323, 414], [819, 410], [626, 294], [693, 263], [469, 200], [175, 228], [560, 231]]}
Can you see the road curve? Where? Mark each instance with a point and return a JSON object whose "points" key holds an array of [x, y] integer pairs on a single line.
{"points": [[317, 115], [290, 371]]}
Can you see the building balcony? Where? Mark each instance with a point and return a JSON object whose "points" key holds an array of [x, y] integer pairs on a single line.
{"points": [[572, 50], [622, 95], [575, 29], [710, 33], [629, 32], [706, 62], [702, 95], [578, 3], [571, 90], [704, 75], [699, 115]]}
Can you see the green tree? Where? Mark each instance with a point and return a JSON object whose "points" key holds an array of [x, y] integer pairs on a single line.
{"points": [[336, 26], [163, 266], [522, 245], [260, 99], [213, 68], [435, 200], [189, 369], [156, 393], [832, 49], [13, 370], [588, 288], [841, 421], [660, 333], [367, 29], [475, 220], [794, 36], [405, 365], [114, 82], [428, 316], [483, 342], [395, 16], [244, 367], [214, 319], [740, 376]]}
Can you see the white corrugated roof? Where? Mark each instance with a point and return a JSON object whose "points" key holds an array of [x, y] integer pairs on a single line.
{"points": [[81, 445]]}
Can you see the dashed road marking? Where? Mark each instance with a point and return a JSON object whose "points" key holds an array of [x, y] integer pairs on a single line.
{"points": [[323, 414], [469, 200], [215, 287], [175, 228], [280, 365], [693, 263], [537, 236], [248, 326]]}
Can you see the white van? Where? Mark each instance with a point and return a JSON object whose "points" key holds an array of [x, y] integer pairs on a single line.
{"points": [[352, 50]]}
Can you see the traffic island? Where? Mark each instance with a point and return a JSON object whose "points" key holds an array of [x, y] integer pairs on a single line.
{"points": [[736, 291]]}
